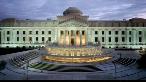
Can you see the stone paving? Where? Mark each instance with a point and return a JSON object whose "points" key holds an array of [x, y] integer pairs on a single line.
{"points": [[108, 73]]}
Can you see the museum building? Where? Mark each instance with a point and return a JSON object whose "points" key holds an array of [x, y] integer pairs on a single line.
{"points": [[73, 29]]}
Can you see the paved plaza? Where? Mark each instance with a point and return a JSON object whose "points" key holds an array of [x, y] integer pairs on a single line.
{"points": [[109, 70]]}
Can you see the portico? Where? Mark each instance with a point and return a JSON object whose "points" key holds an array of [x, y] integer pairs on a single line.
{"points": [[72, 38]]}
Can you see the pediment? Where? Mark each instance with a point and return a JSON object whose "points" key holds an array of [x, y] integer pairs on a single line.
{"points": [[72, 23]]}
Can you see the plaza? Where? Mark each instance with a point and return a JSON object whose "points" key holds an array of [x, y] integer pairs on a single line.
{"points": [[33, 68]]}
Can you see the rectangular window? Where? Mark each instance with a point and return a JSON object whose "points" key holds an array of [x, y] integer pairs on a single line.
{"points": [[23, 38], [96, 39], [17, 38], [83, 32], [43, 32], [8, 38], [30, 32], [23, 32], [49, 32], [123, 32], [49, 38], [116, 39], [96, 32], [130, 32], [17, 32], [109, 39], [43, 39], [60, 32], [102, 39], [109, 32], [30, 38], [129, 39], [36, 38], [102, 32], [140, 32], [116, 32], [140, 39], [123, 39], [8, 32], [37, 32]]}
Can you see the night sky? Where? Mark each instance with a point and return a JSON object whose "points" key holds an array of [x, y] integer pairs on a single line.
{"points": [[95, 9]]}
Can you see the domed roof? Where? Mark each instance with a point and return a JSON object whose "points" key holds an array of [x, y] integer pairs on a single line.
{"points": [[72, 11]]}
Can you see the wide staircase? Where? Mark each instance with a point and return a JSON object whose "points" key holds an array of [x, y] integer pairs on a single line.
{"points": [[63, 68], [125, 61], [21, 60]]}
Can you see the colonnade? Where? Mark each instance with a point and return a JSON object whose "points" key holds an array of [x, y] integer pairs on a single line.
{"points": [[72, 38]]}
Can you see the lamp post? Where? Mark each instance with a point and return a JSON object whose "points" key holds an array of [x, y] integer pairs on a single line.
{"points": [[27, 69], [115, 69]]}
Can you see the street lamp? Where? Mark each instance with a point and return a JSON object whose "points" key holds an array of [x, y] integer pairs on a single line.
{"points": [[27, 69], [115, 68]]}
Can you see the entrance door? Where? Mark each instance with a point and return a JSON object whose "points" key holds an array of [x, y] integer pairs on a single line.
{"points": [[72, 42]]}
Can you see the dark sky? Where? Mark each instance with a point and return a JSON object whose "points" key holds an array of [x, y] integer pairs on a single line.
{"points": [[95, 9]]}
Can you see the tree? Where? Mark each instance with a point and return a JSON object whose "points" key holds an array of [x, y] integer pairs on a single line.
{"points": [[142, 61], [2, 65]]}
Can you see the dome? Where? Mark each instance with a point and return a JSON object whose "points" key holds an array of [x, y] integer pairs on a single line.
{"points": [[72, 11]]}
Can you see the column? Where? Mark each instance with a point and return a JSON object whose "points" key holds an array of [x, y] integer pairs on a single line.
{"points": [[64, 40], [84, 37], [134, 38], [80, 38], [69, 37], [75, 38]]}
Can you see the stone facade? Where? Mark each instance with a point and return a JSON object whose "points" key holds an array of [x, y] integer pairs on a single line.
{"points": [[76, 29]]}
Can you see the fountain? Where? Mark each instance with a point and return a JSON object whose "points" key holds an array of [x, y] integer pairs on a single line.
{"points": [[91, 53]]}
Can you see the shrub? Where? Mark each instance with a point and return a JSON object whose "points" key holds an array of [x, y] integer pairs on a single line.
{"points": [[2, 65], [142, 61]]}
